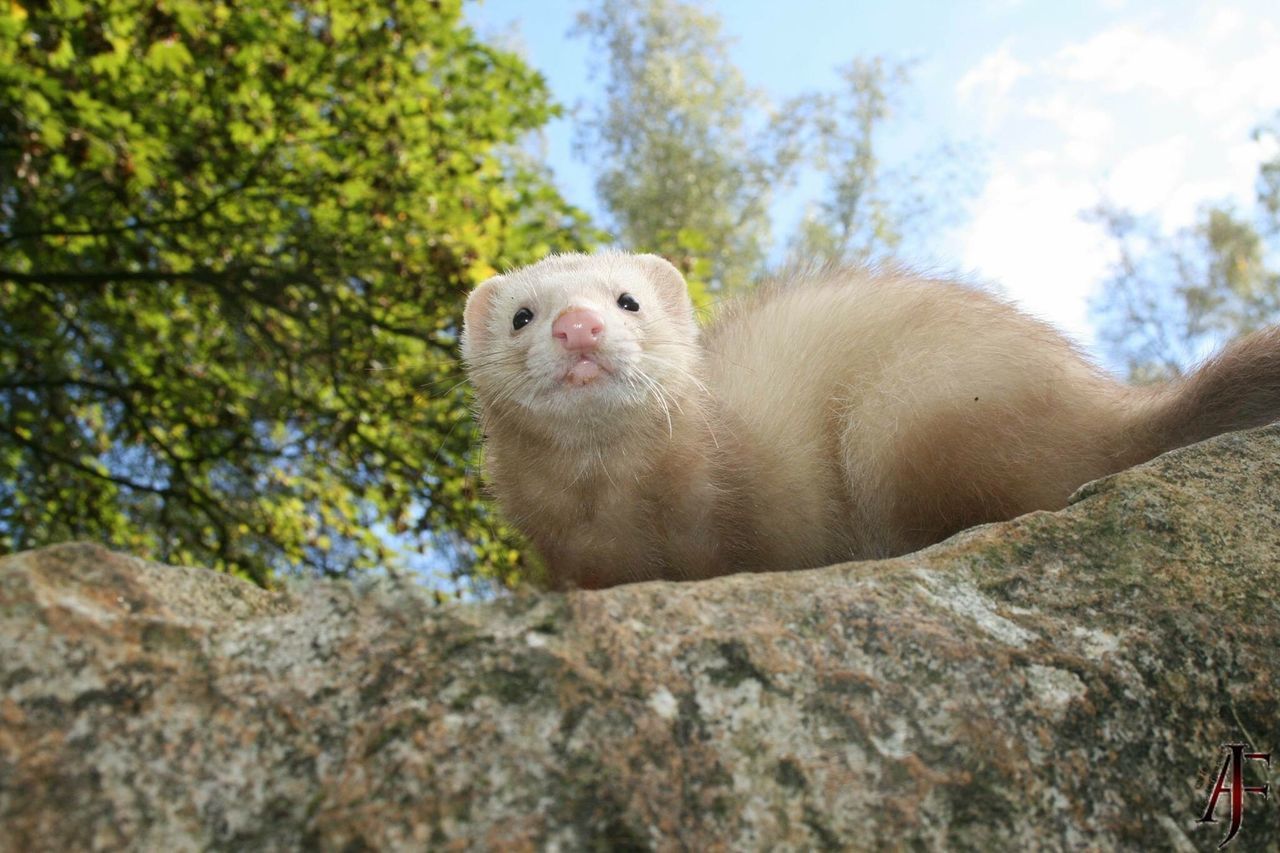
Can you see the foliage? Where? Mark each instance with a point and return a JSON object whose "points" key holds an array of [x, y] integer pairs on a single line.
{"points": [[671, 140], [867, 211], [854, 222], [235, 238], [690, 157], [1171, 299]]}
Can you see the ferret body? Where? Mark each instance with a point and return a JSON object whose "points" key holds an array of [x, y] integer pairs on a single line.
{"points": [[837, 415]]}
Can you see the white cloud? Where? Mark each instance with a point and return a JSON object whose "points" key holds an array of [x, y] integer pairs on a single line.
{"points": [[1150, 113], [1027, 235], [1232, 182], [987, 85], [1225, 23], [1125, 58], [1086, 127], [1145, 178], [1241, 87]]}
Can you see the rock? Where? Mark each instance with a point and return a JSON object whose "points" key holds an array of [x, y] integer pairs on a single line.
{"points": [[1061, 681]]}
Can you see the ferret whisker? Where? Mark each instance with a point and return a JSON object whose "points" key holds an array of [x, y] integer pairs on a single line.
{"points": [[673, 399], [429, 386], [444, 441], [697, 384], [680, 369], [605, 467], [662, 401]]}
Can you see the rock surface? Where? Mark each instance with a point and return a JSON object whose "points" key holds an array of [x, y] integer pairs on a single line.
{"points": [[1061, 681]]}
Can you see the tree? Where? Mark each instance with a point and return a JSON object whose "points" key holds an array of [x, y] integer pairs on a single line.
{"points": [[867, 211], [855, 222], [235, 239], [690, 157], [671, 140], [1171, 299]]}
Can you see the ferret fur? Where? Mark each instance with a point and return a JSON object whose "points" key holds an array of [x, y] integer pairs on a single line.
{"points": [[834, 415]]}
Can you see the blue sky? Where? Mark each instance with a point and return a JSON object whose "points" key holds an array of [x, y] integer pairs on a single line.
{"points": [[1146, 104]]}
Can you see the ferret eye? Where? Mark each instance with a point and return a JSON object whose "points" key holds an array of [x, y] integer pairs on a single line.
{"points": [[523, 317], [628, 302]]}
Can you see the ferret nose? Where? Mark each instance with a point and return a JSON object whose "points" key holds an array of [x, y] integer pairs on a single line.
{"points": [[578, 329]]}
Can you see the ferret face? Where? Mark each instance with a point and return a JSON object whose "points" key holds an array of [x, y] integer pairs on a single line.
{"points": [[579, 335]]}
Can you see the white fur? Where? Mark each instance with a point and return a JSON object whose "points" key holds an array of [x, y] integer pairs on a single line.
{"points": [[526, 366]]}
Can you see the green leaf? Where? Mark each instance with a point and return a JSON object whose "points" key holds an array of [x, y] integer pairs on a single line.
{"points": [[236, 210]]}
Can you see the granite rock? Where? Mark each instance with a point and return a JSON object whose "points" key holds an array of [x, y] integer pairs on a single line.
{"points": [[1060, 681]]}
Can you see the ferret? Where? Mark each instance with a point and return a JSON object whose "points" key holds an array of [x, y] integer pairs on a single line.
{"points": [[839, 414]]}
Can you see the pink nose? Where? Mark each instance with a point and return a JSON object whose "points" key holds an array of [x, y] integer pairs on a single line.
{"points": [[578, 329]]}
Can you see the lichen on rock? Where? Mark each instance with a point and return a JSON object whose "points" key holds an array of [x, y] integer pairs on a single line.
{"points": [[1060, 681]]}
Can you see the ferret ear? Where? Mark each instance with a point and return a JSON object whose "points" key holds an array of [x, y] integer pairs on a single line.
{"points": [[479, 304], [668, 282]]}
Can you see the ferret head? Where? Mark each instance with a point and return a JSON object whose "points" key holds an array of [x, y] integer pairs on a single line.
{"points": [[579, 338]]}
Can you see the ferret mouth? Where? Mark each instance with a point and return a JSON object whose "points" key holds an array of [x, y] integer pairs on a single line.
{"points": [[584, 370]]}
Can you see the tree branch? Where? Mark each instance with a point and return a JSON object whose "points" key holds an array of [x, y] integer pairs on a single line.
{"points": [[95, 277], [10, 383], [80, 466], [146, 225]]}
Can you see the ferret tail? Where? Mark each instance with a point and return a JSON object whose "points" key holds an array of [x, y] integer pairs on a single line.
{"points": [[1238, 388]]}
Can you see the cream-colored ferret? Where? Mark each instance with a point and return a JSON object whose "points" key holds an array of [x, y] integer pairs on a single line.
{"points": [[837, 415]]}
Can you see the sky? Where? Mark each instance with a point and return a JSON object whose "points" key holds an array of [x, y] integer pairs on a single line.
{"points": [[1148, 105]]}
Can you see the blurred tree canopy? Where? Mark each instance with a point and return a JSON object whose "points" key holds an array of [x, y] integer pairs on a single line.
{"points": [[235, 240], [1171, 299], [857, 221], [689, 157], [680, 167]]}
